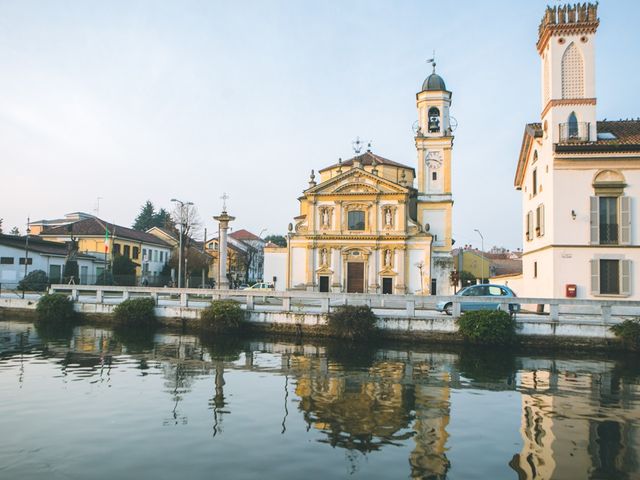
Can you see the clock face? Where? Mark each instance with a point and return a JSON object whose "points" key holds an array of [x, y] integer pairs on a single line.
{"points": [[433, 159]]}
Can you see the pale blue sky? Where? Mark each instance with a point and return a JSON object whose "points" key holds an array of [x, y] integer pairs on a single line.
{"points": [[135, 100]]}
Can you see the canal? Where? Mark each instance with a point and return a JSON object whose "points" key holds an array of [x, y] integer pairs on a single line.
{"points": [[93, 403]]}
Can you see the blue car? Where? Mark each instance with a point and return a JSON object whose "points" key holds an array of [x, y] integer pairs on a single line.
{"points": [[484, 290]]}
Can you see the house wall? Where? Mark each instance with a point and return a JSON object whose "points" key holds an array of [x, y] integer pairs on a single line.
{"points": [[275, 265]]}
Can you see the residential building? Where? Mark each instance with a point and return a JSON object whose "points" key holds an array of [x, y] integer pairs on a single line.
{"points": [[39, 254], [579, 177], [254, 254], [485, 265], [147, 251], [237, 258], [197, 262], [375, 225]]}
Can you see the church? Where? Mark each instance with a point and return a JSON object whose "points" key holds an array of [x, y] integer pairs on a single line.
{"points": [[372, 225]]}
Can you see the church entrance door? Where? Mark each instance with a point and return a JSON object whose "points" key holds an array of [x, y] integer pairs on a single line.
{"points": [[355, 277]]}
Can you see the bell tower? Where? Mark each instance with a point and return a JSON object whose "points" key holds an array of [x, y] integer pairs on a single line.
{"points": [[566, 44], [434, 144]]}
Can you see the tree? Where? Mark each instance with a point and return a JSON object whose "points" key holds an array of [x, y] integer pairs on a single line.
{"points": [[144, 220], [279, 240], [148, 218], [124, 270], [467, 278], [14, 231], [0, 225]]}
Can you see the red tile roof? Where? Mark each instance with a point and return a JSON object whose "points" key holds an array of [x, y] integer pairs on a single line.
{"points": [[244, 235], [93, 226]]}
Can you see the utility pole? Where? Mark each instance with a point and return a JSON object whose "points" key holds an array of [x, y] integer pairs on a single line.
{"points": [[482, 256]]}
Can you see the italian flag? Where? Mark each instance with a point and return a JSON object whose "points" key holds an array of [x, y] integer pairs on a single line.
{"points": [[106, 239]]}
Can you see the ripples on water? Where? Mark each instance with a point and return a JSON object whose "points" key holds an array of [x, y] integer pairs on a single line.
{"points": [[90, 403]]}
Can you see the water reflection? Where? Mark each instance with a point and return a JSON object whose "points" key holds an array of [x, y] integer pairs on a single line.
{"points": [[577, 417]]}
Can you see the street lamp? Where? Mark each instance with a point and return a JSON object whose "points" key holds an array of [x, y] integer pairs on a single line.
{"points": [[182, 204], [482, 257], [26, 248]]}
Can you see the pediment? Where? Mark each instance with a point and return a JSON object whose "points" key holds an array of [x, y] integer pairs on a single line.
{"points": [[357, 181]]}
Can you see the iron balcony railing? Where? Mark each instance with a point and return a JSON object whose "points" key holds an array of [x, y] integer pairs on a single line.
{"points": [[574, 132], [608, 234]]}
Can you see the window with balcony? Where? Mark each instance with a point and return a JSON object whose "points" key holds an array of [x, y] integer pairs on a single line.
{"points": [[540, 221], [608, 221], [355, 220], [610, 216]]}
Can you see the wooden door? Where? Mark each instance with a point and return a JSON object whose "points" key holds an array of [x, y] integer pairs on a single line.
{"points": [[355, 277], [324, 283], [387, 285]]}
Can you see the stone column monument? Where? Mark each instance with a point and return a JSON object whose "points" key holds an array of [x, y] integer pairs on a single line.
{"points": [[223, 225]]}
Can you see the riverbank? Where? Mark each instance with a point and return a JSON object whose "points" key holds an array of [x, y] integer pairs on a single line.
{"points": [[538, 333]]}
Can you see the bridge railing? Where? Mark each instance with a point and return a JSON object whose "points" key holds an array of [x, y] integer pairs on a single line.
{"points": [[317, 302]]}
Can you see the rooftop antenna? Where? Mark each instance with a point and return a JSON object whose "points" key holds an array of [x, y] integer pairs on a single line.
{"points": [[97, 209], [432, 61]]}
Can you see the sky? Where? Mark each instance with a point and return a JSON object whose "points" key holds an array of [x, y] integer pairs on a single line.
{"points": [[128, 101]]}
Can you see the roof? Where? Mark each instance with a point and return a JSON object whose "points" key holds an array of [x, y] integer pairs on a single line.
{"points": [[434, 82], [37, 245], [244, 235], [367, 158], [625, 133], [93, 226]]}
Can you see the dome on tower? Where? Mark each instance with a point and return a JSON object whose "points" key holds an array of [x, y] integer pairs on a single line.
{"points": [[434, 82]]}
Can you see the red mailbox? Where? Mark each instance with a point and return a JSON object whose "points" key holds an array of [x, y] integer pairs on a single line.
{"points": [[571, 290]]}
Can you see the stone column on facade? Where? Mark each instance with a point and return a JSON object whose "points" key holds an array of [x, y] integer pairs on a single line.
{"points": [[223, 226], [310, 270], [373, 271], [336, 266], [400, 260]]}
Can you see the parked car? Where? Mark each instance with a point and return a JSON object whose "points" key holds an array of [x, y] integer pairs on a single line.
{"points": [[484, 290], [261, 286]]}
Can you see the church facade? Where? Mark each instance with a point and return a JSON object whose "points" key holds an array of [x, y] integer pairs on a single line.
{"points": [[373, 225]]}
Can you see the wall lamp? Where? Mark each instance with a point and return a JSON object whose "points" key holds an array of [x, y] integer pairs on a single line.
{"points": [[573, 214]]}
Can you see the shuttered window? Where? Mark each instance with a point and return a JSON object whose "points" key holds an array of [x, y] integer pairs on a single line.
{"points": [[540, 220], [529, 225], [625, 221], [610, 277]]}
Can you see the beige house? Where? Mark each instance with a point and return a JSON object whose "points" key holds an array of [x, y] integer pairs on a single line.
{"points": [[579, 177]]}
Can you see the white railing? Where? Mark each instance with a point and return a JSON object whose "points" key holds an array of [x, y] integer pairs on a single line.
{"points": [[385, 305]]}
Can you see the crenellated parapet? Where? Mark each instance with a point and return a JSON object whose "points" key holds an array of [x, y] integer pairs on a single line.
{"points": [[567, 19]]}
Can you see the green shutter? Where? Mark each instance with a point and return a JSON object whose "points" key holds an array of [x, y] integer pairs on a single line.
{"points": [[625, 221], [595, 277], [625, 277], [595, 221]]}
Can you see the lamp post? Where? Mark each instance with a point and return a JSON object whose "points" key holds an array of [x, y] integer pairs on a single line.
{"points": [[482, 257], [182, 204], [26, 249]]}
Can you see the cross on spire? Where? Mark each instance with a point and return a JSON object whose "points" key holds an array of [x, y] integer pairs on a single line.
{"points": [[432, 61], [224, 198]]}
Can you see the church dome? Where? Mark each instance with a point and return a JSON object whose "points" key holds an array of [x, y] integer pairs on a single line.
{"points": [[434, 82]]}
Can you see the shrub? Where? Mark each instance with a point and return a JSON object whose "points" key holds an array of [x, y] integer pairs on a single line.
{"points": [[55, 308], [222, 316], [490, 327], [35, 281], [352, 322], [629, 332], [136, 312], [124, 270]]}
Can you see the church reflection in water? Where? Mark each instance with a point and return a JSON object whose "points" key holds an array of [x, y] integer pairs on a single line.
{"points": [[578, 418]]}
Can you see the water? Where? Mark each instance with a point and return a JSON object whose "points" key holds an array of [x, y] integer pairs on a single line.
{"points": [[90, 403]]}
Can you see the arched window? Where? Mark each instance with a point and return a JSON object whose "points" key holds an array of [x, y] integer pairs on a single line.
{"points": [[572, 73], [573, 125], [434, 120]]}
